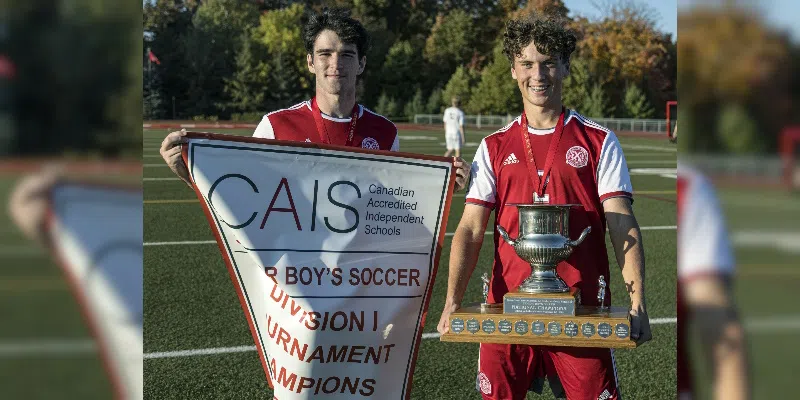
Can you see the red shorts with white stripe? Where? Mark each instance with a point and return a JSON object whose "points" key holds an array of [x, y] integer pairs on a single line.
{"points": [[507, 371]]}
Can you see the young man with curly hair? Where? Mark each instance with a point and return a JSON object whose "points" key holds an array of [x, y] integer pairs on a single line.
{"points": [[550, 154], [336, 47]]}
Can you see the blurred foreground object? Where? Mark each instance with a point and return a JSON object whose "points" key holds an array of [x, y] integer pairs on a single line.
{"points": [[705, 302], [93, 229]]}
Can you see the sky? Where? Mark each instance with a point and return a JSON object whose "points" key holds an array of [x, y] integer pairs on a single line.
{"points": [[666, 10]]}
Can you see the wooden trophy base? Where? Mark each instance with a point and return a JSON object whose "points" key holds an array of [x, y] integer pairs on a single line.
{"points": [[542, 320]]}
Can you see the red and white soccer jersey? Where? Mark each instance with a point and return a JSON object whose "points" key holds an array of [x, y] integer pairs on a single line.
{"points": [[297, 124], [589, 167], [703, 249]]}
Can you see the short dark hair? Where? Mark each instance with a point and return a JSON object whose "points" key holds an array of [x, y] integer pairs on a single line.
{"points": [[550, 34], [349, 30]]}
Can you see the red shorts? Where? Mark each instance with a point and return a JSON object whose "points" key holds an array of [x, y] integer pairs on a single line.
{"points": [[506, 372]]}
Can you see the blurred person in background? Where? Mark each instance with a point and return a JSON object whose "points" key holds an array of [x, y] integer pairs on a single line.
{"points": [[453, 128], [336, 47], [705, 300]]}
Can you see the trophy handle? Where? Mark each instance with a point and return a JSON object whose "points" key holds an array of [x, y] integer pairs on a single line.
{"points": [[573, 243], [505, 236]]}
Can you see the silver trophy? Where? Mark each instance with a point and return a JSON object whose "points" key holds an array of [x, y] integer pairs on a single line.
{"points": [[543, 241]]}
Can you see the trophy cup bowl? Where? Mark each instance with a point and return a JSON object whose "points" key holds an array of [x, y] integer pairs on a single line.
{"points": [[543, 241]]}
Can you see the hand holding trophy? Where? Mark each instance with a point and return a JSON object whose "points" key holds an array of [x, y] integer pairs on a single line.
{"points": [[543, 310]]}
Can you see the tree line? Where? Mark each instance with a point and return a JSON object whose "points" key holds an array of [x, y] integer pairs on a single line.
{"points": [[237, 59]]}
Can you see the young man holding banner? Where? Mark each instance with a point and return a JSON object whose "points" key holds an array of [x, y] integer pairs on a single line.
{"points": [[554, 155], [336, 47], [368, 227]]}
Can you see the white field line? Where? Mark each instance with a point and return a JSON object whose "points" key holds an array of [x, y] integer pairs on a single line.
{"points": [[61, 347], [776, 324], [448, 234], [788, 242], [241, 349], [46, 346]]}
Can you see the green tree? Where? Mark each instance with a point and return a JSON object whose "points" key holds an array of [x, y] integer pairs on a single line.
{"points": [[387, 106], [211, 47], [461, 85], [415, 106], [280, 31], [577, 86], [597, 105], [271, 70], [248, 87], [636, 104], [497, 91], [435, 103], [452, 42], [403, 64]]}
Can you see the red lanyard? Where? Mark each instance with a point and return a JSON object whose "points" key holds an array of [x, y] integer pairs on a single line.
{"points": [[540, 184], [321, 125]]}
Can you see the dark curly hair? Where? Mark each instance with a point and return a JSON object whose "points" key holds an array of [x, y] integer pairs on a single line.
{"points": [[550, 35], [349, 30]]}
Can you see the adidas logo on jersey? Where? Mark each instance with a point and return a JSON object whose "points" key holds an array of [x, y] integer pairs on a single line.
{"points": [[605, 395], [511, 159]]}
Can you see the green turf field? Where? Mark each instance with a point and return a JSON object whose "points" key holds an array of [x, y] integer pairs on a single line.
{"points": [[190, 303], [45, 349]]}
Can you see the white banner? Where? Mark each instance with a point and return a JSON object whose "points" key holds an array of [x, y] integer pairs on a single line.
{"points": [[95, 233], [333, 253]]}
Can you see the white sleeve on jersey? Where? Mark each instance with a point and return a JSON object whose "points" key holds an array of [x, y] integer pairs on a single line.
{"points": [[703, 244], [264, 129], [460, 117], [482, 184], [613, 179]]}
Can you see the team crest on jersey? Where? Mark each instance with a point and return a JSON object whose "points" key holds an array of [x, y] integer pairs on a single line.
{"points": [[484, 384], [370, 143], [577, 157]]}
